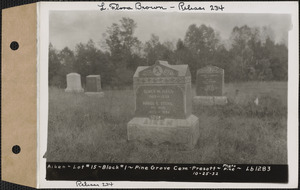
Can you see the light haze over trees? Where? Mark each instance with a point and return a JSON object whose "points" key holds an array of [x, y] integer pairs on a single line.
{"points": [[252, 55]]}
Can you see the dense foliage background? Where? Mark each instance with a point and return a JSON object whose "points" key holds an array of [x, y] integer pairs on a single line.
{"points": [[250, 54]]}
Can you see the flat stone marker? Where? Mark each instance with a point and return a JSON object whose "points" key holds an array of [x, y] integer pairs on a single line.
{"points": [[210, 86], [93, 85], [74, 83], [163, 106]]}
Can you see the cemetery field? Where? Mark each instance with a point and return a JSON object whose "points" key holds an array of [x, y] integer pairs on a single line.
{"points": [[84, 128]]}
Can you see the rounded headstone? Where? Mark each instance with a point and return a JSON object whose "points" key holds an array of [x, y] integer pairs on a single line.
{"points": [[74, 83]]}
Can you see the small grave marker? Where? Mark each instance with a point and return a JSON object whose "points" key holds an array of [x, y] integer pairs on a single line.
{"points": [[74, 83], [210, 86], [93, 85]]}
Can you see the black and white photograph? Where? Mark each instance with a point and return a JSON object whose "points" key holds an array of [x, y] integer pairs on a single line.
{"points": [[157, 95]]}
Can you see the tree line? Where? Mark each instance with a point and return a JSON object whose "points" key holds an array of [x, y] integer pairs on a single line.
{"points": [[250, 54]]}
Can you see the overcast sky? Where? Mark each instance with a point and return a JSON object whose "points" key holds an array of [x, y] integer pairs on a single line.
{"points": [[68, 28]]}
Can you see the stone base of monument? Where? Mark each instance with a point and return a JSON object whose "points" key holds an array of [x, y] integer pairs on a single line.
{"points": [[210, 100], [98, 94], [74, 90], [182, 132]]}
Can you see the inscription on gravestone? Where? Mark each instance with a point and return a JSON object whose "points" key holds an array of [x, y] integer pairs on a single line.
{"points": [[162, 91], [160, 102], [210, 81]]}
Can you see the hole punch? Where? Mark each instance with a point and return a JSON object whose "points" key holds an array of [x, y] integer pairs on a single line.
{"points": [[16, 149], [14, 45]]}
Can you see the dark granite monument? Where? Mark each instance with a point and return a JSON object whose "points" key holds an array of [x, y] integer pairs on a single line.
{"points": [[163, 105], [93, 85], [210, 86]]}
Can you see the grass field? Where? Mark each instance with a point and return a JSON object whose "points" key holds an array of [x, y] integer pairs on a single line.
{"points": [[92, 129]]}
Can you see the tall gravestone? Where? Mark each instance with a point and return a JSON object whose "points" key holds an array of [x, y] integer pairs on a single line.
{"points": [[93, 85], [210, 86], [163, 105], [74, 83]]}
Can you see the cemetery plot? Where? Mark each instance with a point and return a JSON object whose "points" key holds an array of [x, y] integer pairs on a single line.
{"points": [[88, 129], [176, 112]]}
